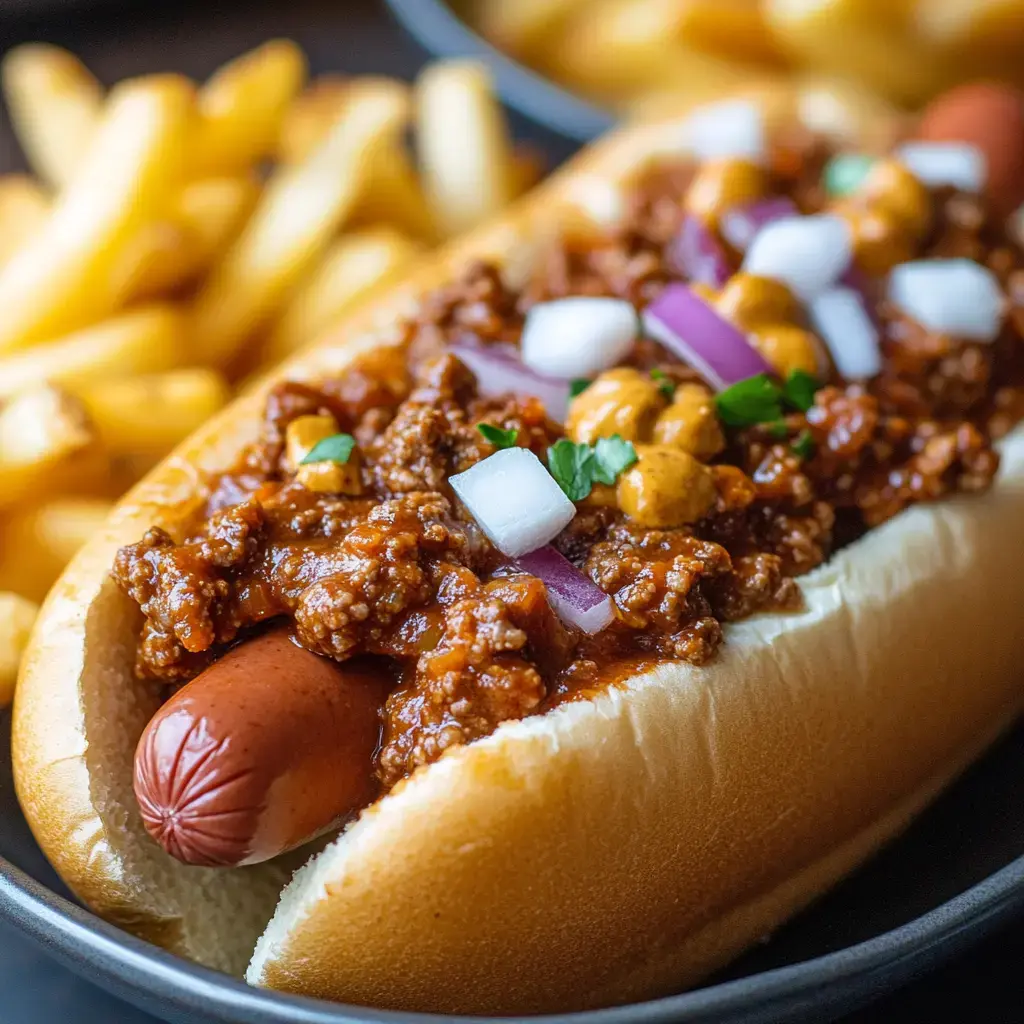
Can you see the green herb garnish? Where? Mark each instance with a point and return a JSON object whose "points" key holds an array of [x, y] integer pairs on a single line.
{"points": [[799, 390], [845, 172], [577, 467], [761, 400], [803, 445], [336, 448], [498, 437], [778, 428], [665, 383], [578, 385]]}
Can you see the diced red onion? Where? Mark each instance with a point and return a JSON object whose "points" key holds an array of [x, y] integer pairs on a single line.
{"points": [[807, 254], [578, 336], [841, 318], [937, 164], [689, 328], [498, 373], [741, 224], [514, 500], [730, 129], [697, 255], [957, 297], [575, 597]]}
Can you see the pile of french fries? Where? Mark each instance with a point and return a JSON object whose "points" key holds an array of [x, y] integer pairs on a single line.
{"points": [[635, 54], [177, 239]]}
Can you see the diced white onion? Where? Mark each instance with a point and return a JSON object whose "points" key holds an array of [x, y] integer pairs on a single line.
{"points": [[807, 254], [515, 501], [731, 129], [957, 297], [937, 164], [578, 336], [848, 332]]}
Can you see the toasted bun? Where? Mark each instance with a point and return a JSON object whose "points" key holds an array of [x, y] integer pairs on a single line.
{"points": [[613, 849]]}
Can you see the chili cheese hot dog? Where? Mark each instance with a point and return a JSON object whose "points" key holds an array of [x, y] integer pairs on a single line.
{"points": [[687, 546]]}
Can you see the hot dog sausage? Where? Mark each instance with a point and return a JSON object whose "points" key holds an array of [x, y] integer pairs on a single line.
{"points": [[266, 749]]}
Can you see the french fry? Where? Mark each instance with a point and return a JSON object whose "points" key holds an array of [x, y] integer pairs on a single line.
{"points": [[310, 116], [523, 26], [394, 196], [148, 339], [241, 109], [301, 208], [23, 209], [464, 145], [170, 254], [54, 103], [528, 166], [17, 614], [63, 279], [41, 432], [149, 415], [354, 264], [39, 541], [733, 29]]}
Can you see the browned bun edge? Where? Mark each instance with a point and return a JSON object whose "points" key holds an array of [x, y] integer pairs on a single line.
{"points": [[613, 849]]}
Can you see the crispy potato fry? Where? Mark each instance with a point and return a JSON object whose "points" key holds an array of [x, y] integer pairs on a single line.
{"points": [[528, 167], [729, 28], [524, 26], [149, 415], [54, 103], [39, 541], [394, 196], [62, 279], [41, 431], [148, 339], [24, 208], [353, 265], [204, 220], [17, 614], [464, 145], [310, 117], [300, 210], [241, 109]]}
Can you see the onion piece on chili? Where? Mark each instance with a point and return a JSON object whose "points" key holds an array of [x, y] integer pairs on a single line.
{"points": [[958, 165], [692, 330], [729, 129], [575, 597], [807, 254], [957, 297], [514, 500], [578, 336], [740, 225], [841, 318], [498, 373], [697, 255]]}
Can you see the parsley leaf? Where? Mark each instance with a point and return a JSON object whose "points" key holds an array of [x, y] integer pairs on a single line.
{"points": [[665, 383], [572, 466], [578, 385], [748, 402], [799, 390], [777, 428], [498, 437], [612, 455], [336, 448], [803, 445]]}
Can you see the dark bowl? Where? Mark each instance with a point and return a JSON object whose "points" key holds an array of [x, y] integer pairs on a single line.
{"points": [[953, 878]]}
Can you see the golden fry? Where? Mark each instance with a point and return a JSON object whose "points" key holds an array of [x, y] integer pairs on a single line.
{"points": [[463, 143], [17, 614], [353, 265], [528, 167], [524, 26], [39, 541], [64, 278], [733, 29], [241, 109], [55, 105], [149, 415], [394, 195], [310, 117], [300, 210], [146, 340], [23, 210]]}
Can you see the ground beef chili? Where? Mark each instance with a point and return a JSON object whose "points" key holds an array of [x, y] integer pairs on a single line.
{"points": [[394, 567]]}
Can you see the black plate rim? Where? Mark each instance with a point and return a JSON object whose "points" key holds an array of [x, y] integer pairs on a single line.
{"points": [[438, 29], [838, 981]]}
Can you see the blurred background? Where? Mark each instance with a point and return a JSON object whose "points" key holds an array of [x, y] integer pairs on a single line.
{"points": [[181, 288]]}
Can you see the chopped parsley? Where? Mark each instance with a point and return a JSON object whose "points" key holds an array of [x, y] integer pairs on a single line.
{"points": [[336, 448], [845, 172], [803, 445], [577, 467], [578, 385], [665, 383], [498, 437], [760, 399]]}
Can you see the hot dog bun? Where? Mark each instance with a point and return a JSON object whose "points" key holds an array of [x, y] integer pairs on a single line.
{"points": [[613, 849]]}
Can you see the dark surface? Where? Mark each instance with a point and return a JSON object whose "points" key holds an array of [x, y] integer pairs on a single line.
{"points": [[975, 830]]}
